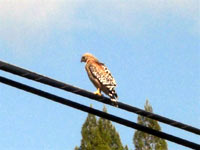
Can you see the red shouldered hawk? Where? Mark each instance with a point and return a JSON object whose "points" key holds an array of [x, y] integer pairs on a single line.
{"points": [[100, 76]]}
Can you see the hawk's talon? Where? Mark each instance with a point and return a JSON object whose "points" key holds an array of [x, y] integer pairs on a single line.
{"points": [[98, 92]]}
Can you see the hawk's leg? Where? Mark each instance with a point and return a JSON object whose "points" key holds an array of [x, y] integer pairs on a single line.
{"points": [[98, 92]]}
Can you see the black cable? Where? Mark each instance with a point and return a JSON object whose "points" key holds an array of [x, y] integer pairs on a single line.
{"points": [[99, 113], [48, 81]]}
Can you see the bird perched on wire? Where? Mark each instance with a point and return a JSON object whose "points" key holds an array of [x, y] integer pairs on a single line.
{"points": [[100, 76]]}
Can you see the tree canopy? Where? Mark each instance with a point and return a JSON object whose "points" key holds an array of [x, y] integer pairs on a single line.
{"points": [[99, 134], [145, 141]]}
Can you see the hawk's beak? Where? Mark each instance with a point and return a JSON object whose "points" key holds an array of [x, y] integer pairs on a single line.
{"points": [[82, 59]]}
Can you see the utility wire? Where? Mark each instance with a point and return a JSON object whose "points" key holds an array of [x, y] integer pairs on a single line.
{"points": [[99, 113], [51, 82]]}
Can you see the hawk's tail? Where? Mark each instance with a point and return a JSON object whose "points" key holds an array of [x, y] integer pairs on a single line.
{"points": [[113, 97]]}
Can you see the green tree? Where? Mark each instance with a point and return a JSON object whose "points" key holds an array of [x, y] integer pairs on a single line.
{"points": [[109, 134], [77, 148], [90, 136], [99, 135], [126, 147], [145, 141]]}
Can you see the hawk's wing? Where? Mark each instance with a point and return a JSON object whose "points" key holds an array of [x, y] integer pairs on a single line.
{"points": [[101, 72], [103, 75]]}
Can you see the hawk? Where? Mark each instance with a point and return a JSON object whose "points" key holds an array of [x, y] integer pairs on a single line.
{"points": [[100, 76]]}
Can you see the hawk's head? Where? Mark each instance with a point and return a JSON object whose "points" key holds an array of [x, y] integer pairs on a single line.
{"points": [[88, 56]]}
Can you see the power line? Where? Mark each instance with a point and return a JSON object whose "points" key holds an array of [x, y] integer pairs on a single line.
{"points": [[99, 113], [51, 82]]}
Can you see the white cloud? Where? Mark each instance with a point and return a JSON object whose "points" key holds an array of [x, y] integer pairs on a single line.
{"points": [[35, 13], [132, 11], [24, 19], [39, 13]]}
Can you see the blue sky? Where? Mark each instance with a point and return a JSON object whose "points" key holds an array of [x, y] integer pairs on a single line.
{"points": [[150, 46]]}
